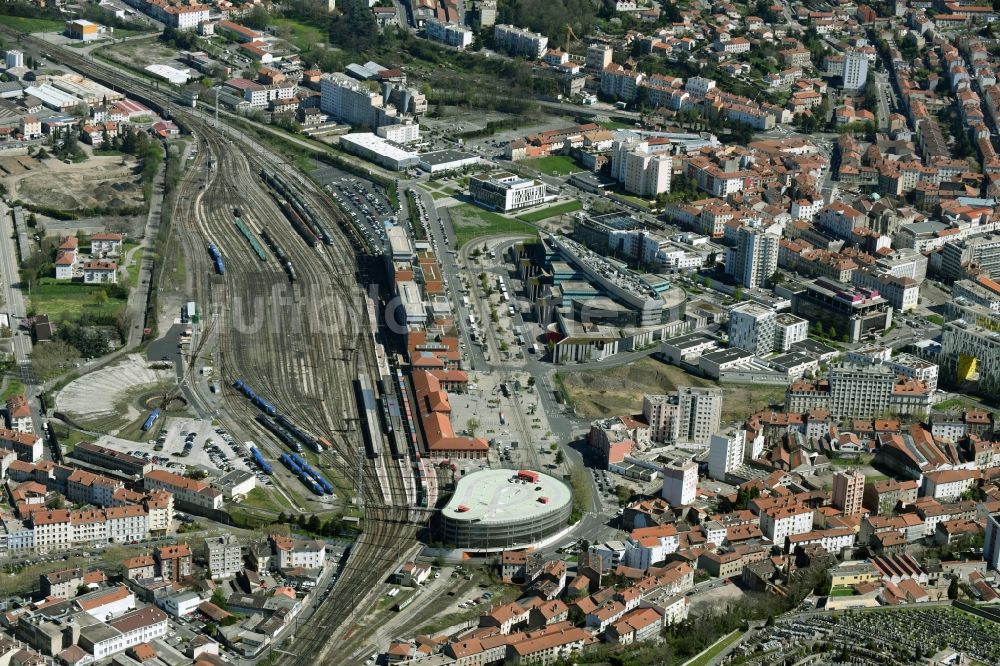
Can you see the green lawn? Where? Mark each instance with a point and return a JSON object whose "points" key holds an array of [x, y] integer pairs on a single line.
{"points": [[303, 36], [715, 649], [554, 165], [133, 269], [842, 592], [935, 319], [471, 222], [644, 203], [25, 24], [439, 195], [14, 387], [71, 299], [551, 211]]}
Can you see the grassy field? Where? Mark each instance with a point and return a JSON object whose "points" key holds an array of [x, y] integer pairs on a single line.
{"points": [[302, 35], [614, 125], [71, 299], [551, 211], [619, 390], [25, 24], [715, 649], [471, 222], [554, 165]]}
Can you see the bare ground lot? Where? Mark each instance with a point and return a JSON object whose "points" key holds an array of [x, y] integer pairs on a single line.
{"points": [[102, 181], [619, 390]]}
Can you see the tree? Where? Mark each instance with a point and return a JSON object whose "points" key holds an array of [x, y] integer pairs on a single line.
{"points": [[100, 297], [559, 458], [314, 525], [832, 332], [471, 426], [953, 588]]}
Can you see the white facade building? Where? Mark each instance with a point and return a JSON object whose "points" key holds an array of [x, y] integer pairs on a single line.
{"points": [[855, 70], [752, 327], [680, 483], [725, 453]]}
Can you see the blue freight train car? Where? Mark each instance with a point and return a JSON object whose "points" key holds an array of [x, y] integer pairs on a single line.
{"points": [[155, 414], [220, 267]]}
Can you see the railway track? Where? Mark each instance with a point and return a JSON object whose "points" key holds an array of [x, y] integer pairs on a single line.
{"points": [[295, 343]]}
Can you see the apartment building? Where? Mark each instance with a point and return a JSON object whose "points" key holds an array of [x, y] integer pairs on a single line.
{"points": [[848, 491], [640, 170], [725, 453], [452, 34], [756, 256], [598, 57], [19, 414], [686, 415], [519, 42], [855, 70], [26, 445], [680, 483], [224, 555], [506, 191], [752, 327], [294, 553], [778, 523], [184, 490], [174, 562], [789, 329]]}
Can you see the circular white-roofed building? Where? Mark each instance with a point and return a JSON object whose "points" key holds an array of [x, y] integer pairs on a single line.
{"points": [[502, 508]]}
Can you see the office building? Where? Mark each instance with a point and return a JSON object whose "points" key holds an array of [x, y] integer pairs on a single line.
{"points": [[970, 347], [506, 191], [848, 491], [519, 42], [991, 546], [855, 70], [756, 256], [687, 415], [978, 254], [680, 483], [752, 327], [640, 170], [860, 392], [725, 453], [844, 311]]}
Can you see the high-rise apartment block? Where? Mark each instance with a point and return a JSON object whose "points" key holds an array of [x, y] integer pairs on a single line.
{"points": [[848, 491], [855, 70], [756, 256], [725, 453], [639, 169], [680, 483], [686, 415], [752, 327], [599, 56]]}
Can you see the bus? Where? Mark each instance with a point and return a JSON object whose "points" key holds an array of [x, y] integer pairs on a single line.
{"points": [[465, 301], [472, 319]]}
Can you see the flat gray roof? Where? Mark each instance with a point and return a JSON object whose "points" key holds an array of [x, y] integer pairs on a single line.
{"points": [[498, 496], [445, 156]]}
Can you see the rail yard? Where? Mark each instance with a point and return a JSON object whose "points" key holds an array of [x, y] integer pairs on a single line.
{"points": [[291, 339]]}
